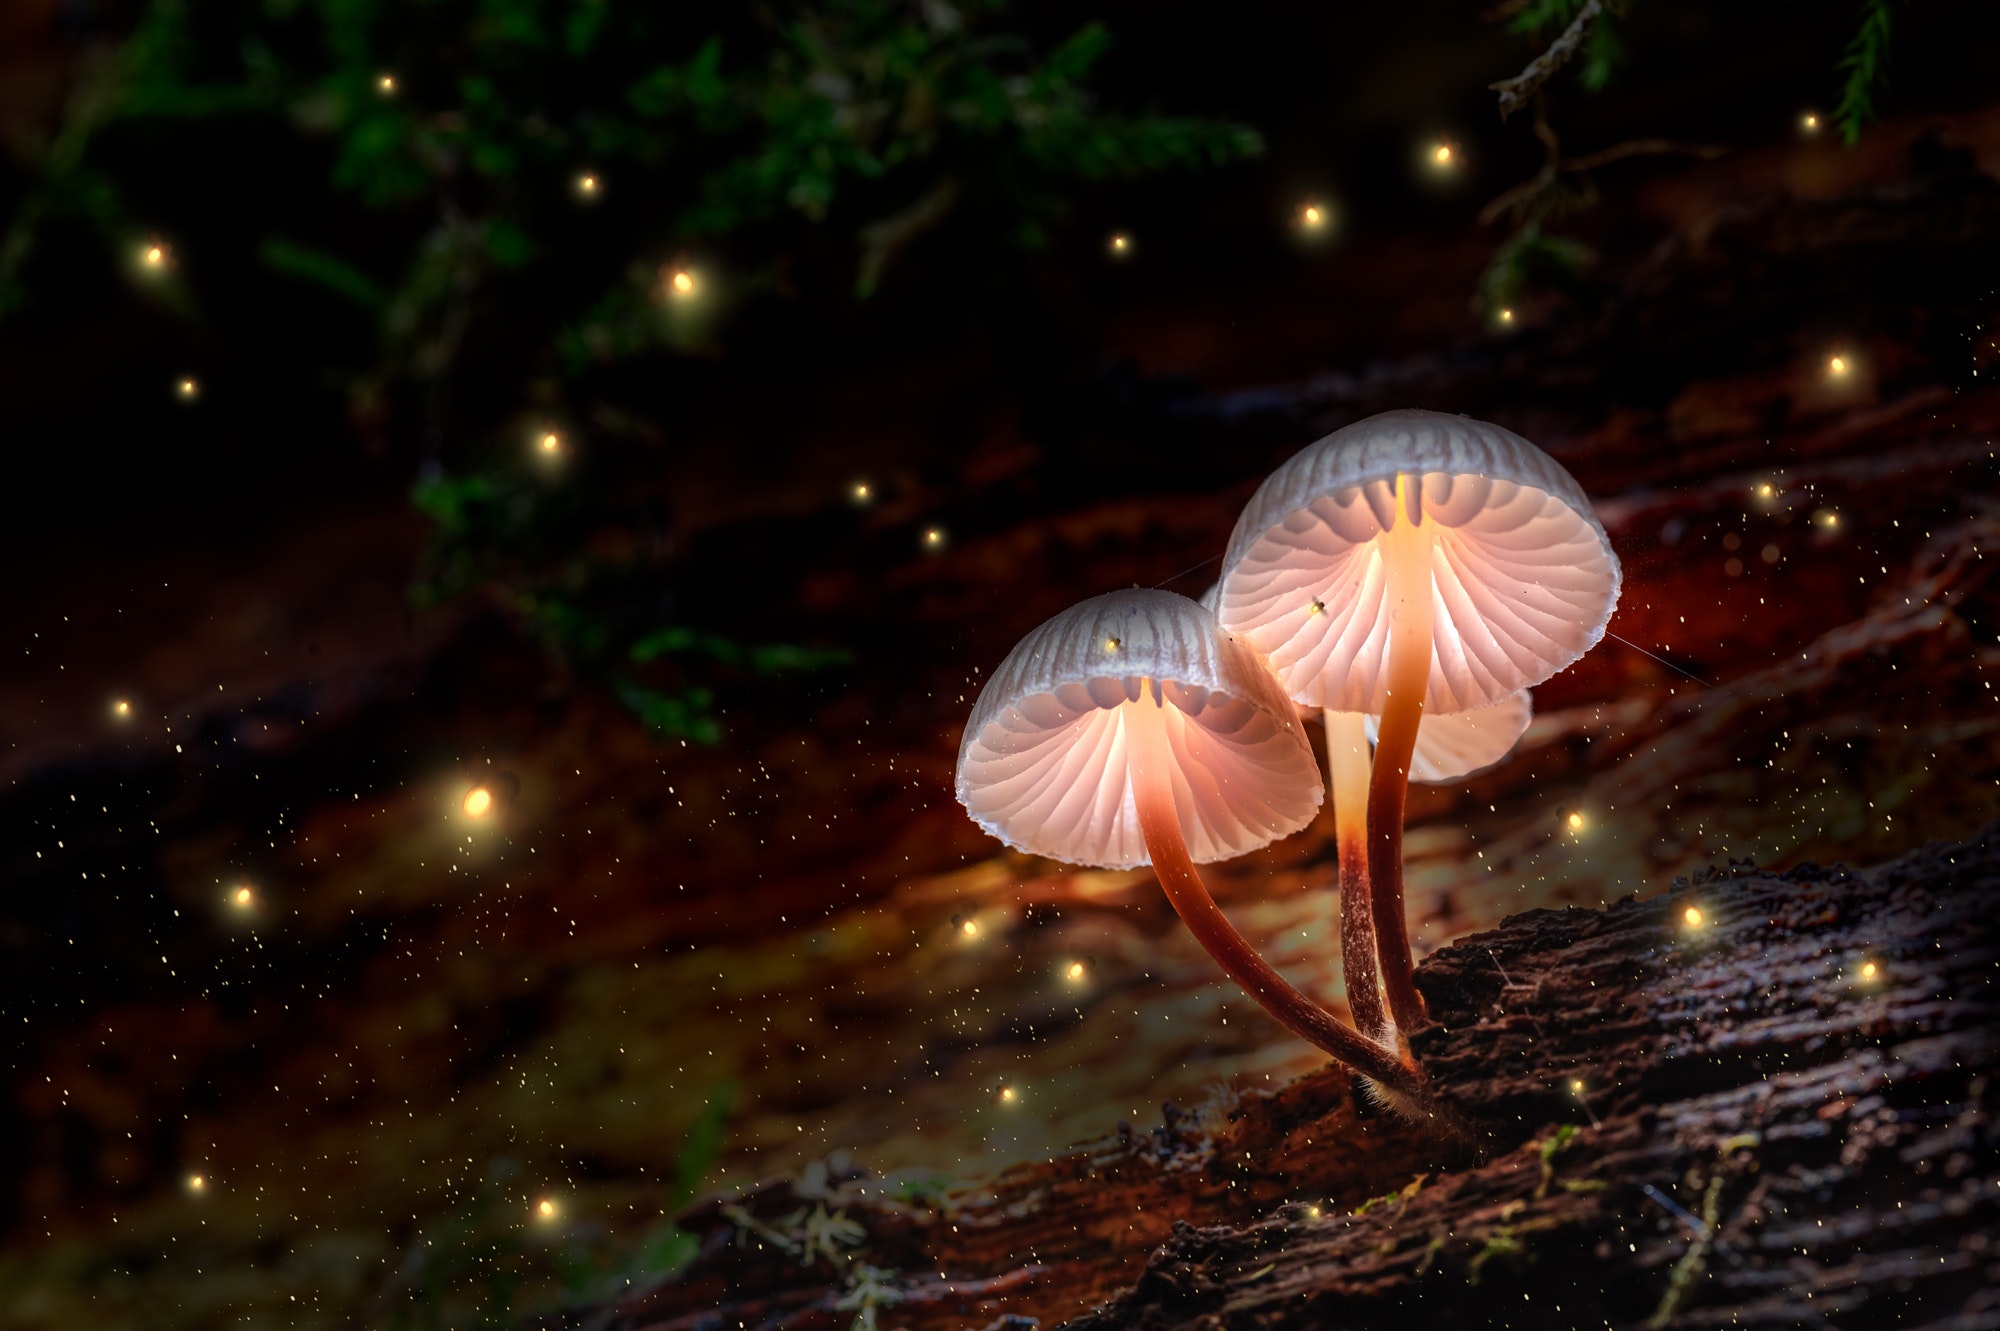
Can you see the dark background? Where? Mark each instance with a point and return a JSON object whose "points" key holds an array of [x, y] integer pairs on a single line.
{"points": [[686, 953]]}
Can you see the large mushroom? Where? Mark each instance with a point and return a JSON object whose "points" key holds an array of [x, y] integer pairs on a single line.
{"points": [[1413, 562], [1132, 730], [1449, 746]]}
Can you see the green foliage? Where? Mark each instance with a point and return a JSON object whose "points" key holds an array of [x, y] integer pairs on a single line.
{"points": [[434, 245], [1866, 66], [1528, 260]]}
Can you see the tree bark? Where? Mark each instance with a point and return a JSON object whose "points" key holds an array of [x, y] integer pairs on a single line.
{"points": [[1767, 1134]]}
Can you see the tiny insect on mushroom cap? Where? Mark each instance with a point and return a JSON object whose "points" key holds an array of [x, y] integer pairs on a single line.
{"points": [[1524, 578], [1045, 762]]}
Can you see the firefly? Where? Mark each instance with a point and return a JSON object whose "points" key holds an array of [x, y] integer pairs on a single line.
{"points": [[862, 493], [934, 538], [1007, 1095], [187, 390], [1075, 971], [1827, 517], [1507, 316], [478, 802], [682, 282], [386, 85], [1121, 243], [1311, 217], [545, 1209], [1576, 1087], [154, 255], [1869, 970], [1693, 917], [1836, 367], [550, 443], [1442, 156], [1312, 1213], [1809, 123], [970, 928], [1767, 490], [121, 709], [196, 1183], [242, 898], [586, 185], [1575, 822]]}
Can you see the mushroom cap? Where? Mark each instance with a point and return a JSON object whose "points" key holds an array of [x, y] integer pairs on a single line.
{"points": [[1044, 764], [1524, 577], [1455, 745]]}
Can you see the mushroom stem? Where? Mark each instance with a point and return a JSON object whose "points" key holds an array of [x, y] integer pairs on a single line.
{"points": [[1160, 824], [1406, 555], [1347, 786]]}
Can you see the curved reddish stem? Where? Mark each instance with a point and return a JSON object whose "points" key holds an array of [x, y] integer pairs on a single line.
{"points": [[1160, 824]]}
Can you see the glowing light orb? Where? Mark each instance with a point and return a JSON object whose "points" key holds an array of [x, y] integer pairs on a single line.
{"points": [[1576, 1088], [587, 185], [682, 282], [1075, 971], [1311, 217], [1312, 1213], [478, 802], [862, 493], [121, 708], [1506, 316], [1693, 917], [934, 538], [154, 256], [196, 1183], [242, 898], [386, 84], [1767, 491], [1574, 822], [1442, 156], [1121, 243], [550, 442], [1007, 1095], [1836, 367], [1869, 970], [970, 928], [1809, 123], [545, 1209], [1111, 646], [187, 390], [1826, 517]]}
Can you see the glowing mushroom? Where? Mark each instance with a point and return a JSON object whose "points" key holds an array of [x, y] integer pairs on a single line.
{"points": [[1132, 730], [1415, 562], [1449, 746]]}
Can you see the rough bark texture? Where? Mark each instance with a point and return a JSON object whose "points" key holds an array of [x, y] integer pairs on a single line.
{"points": [[1768, 1134]]}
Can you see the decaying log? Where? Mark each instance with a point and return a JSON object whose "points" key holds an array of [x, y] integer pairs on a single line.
{"points": [[1776, 1112]]}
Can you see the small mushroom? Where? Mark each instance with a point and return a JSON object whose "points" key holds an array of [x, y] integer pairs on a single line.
{"points": [[1455, 745], [1415, 562], [1132, 730]]}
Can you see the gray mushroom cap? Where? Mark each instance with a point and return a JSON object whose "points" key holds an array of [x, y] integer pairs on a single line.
{"points": [[1045, 764], [1525, 579]]}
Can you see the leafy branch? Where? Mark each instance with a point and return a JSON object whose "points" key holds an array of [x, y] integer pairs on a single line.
{"points": [[1866, 65]]}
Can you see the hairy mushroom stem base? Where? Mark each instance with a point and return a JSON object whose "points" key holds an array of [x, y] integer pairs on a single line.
{"points": [[1160, 824], [1406, 556], [1347, 780]]}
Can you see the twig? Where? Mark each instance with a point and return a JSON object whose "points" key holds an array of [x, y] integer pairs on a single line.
{"points": [[1552, 167], [1515, 92]]}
